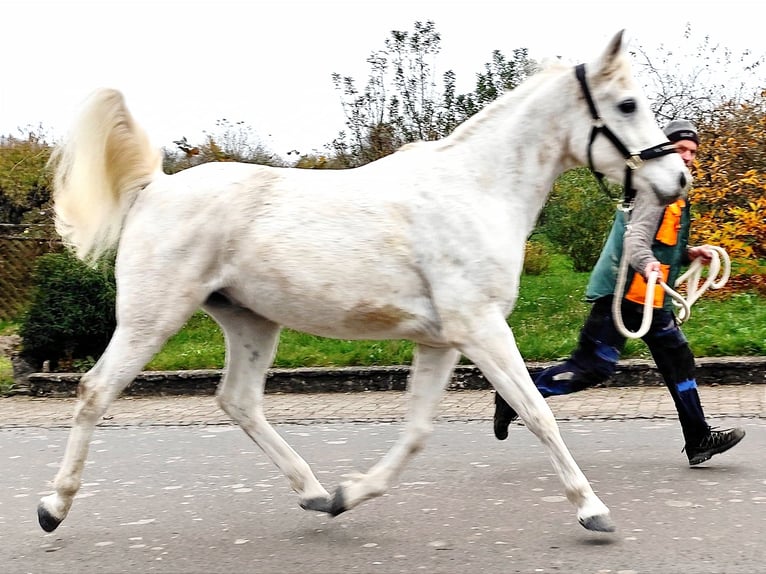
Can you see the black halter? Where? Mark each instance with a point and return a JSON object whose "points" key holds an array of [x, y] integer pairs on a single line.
{"points": [[632, 160]]}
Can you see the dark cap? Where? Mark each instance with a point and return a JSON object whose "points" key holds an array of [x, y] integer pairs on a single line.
{"points": [[678, 130]]}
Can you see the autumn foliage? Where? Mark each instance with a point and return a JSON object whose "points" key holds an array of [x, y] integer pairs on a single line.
{"points": [[24, 180], [729, 193]]}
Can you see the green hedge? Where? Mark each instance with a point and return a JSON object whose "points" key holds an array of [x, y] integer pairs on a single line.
{"points": [[578, 216], [72, 312]]}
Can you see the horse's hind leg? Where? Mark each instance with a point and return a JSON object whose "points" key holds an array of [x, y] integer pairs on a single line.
{"points": [[251, 343], [431, 371], [140, 333], [498, 358]]}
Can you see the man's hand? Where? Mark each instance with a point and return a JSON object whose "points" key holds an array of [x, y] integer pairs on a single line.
{"points": [[654, 266], [701, 251]]}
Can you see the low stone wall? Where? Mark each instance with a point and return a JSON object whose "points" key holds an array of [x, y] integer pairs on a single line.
{"points": [[710, 371]]}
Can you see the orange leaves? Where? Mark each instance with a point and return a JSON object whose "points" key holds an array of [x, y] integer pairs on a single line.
{"points": [[729, 197]]}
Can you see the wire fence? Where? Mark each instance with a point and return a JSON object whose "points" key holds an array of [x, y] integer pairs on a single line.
{"points": [[20, 246]]}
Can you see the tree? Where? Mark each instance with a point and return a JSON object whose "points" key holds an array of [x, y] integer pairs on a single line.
{"points": [[379, 120], [691, 80], [401, 102], [722, 92], [729, 195], [577, 217], [312, 161], [24, 181], [231, 142]]}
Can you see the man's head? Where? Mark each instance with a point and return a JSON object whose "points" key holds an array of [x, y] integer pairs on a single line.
{"points": [[683, 133]]}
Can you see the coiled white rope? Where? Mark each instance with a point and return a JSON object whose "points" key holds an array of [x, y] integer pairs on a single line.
{"points": [[693, 290], [693, 275]]}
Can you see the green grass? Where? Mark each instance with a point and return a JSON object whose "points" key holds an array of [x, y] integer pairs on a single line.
{"points": [[8, 328], [6, 375], [549, 312], [199, 345], [732, 326], [6, 369]]}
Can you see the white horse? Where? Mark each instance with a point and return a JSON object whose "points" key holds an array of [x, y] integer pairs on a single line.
{"points": [[425, 244]]}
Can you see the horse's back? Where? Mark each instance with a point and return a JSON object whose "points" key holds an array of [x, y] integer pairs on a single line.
{"points": [[340, 253], [302, 251]]}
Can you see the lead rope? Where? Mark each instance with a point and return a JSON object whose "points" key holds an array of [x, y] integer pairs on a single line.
{"points": [[693, 275], [693, 290]]}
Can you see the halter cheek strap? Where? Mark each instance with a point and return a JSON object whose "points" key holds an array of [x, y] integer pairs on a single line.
{"points": [[632, 160]]}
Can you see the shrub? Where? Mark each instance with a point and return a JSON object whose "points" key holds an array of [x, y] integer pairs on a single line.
{"points": [[537, 258], [577, 217], [72, 311], [24, 181], [729, 192]]}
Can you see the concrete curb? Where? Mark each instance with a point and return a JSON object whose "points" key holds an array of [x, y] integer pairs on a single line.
{"points": [[710, 371]]}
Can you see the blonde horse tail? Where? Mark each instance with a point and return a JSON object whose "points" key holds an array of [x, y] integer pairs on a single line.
{"points": [[97, 173]]}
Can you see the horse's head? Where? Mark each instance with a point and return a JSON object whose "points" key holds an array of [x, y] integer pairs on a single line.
{"points": [[623, 141]]}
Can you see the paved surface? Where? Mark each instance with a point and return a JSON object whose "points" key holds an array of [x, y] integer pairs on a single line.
{"points": [[741, 401], [205, 500], [172, 486]]}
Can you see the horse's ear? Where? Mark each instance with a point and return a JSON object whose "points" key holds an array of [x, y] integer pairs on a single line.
{"points": [[611, 58]]}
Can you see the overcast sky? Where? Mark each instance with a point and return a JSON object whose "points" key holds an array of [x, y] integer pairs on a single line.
{"points": [[183, 64]]}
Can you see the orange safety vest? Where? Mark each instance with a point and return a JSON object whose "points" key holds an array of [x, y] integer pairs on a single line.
{"points": [[667, 234]]}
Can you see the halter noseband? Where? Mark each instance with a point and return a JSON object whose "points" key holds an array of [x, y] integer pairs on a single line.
{"points": [[632, 160]]}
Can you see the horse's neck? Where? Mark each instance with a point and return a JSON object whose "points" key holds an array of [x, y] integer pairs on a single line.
{"points": [[521, 139]]}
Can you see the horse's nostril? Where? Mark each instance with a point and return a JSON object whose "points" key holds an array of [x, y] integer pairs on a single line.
{"points": [[682, 181]]}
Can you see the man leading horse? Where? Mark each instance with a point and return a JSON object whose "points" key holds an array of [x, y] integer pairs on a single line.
{"points": [[657, 243]]}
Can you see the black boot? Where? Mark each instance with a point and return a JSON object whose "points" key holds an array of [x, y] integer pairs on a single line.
{"points": [[714, 443], [504, 415]]}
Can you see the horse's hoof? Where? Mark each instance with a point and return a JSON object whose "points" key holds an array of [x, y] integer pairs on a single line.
{"points": [[598, 523], [48, 522], [332, 506], [338, 502], [318, 504]]}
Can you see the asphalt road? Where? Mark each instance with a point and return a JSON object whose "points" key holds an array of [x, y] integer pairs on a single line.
{"points": [[204, 499]]}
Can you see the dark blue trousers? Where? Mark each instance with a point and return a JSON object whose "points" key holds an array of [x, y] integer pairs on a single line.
{"points": [[600, 345]]}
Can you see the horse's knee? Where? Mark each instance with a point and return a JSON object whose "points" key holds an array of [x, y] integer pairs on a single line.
{"points": [[222, 403], [228, 406], [419, 432], [240, 410], [93, 400], [541, 422]]}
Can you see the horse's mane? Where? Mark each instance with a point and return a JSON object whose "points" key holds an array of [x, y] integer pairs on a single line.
{"points": [[546, 69], [506, 100]]}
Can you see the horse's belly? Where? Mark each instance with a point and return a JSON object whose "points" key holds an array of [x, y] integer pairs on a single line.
{"points": [[343, 307]]}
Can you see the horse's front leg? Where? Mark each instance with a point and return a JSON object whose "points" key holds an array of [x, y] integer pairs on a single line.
{"points": [[498, 357], [431, 371]]}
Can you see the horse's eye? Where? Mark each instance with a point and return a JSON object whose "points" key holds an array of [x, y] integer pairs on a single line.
{"points": [[628, 106]]}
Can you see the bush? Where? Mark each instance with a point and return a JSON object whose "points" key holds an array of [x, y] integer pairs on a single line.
{"points": [[729, 193], [578, 217], [537, 259], [24, 180], [72, 312]]}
